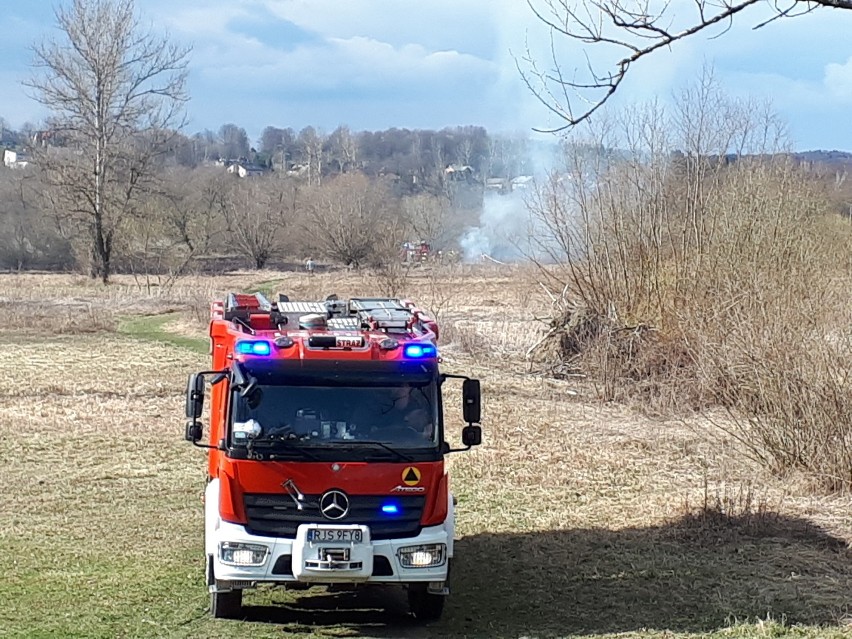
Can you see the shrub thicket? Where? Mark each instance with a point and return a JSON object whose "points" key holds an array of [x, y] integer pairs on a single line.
{"points": [[700, 267]]}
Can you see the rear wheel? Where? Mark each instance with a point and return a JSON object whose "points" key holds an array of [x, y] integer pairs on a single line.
{"points": [[226, 605], [424, 605]]}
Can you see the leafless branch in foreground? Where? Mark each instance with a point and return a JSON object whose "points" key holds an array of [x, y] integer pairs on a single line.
{"points": [[635, 29]]}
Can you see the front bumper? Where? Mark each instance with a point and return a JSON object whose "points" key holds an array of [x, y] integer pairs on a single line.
{"points": [[279, 567]]}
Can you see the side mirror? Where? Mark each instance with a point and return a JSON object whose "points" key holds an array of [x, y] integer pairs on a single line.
{"points": [[194, 396], [471, 400], [195, 404], [193, 431], [472, 435]]}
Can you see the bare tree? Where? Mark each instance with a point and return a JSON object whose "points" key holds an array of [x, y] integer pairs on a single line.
{"points": [[28, 238], [258, 213], [278, 145], [431, 220], [464, 152], [16, 246], [116, 94], [350, 218], [311, 144], [342, 148], [235, 142], [190, 210], [633, 31]]}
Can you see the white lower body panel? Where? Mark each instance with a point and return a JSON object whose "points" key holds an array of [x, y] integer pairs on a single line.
{"points": [[297, 551], [303, 565]]}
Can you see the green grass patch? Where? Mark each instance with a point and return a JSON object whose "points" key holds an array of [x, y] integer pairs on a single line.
{"points": [[269, 288], [152, 327]]}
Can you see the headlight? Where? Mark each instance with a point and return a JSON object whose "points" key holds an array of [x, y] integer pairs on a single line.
{"points": [[239, 554], [427, 556]]}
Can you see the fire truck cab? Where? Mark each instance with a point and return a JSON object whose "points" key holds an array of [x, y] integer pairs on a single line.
{"points": [[326, 448]]}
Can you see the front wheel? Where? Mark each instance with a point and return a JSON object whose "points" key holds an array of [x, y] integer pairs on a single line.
{"points": [[424, 605], [226, 605]]}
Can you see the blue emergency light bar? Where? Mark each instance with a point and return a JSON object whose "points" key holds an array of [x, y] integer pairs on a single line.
{"points": [[253, 348], [419, 351]]}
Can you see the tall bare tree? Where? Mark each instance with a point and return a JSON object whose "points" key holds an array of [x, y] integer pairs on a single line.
{"points": [[235, 142], [311, 143], [430, 218], [350, 218], [259, 212], [630, 31], [116, 93], [183, 223], [342, 148]]}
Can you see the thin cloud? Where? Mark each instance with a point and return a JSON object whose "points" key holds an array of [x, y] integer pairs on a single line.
{"points": [[383, 63], [838, 80]]}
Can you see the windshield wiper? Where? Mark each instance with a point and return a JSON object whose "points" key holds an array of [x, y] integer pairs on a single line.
{"points": [[392, 450], [286, 452], [295, 454], [361, 442]]}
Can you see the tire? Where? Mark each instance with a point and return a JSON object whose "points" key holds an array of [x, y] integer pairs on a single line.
{"points": [[423, 605], [226, 605]]}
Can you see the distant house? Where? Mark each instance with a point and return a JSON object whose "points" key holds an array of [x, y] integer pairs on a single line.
{"points": [[243, 170], [522, 182], [298, 169], [13, 160], [455, 172], [499, 185]]}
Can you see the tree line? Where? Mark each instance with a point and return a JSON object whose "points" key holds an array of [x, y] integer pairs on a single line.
{"points": [[199, 217], [419, 156], [113, 182], [112, 176], [168, 204]]}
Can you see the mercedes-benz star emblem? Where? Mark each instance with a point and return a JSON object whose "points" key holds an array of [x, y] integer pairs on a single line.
{"points": [[334, 505]]}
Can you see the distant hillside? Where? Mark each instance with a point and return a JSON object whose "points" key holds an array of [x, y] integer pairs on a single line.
{"points": [[824, 157]]}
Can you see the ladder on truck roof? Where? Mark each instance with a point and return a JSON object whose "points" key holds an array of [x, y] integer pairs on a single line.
{"points": [[382, 313], [242, 305], [389, 315]]}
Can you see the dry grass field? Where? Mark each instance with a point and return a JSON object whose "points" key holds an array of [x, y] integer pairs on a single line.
{"points": [[575, 518]]}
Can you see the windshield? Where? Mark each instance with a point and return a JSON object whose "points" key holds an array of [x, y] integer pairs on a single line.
{"points": [[403, 416]]}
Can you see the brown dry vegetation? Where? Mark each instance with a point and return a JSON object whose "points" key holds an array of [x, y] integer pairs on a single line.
{"points": [[697, 268], [575, 518]]}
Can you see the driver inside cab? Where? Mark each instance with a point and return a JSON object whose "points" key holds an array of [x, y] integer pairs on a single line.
{"points": [[399, 416], [420, 422]]}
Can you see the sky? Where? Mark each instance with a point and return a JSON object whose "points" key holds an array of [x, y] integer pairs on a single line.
{"points": [[376, 64]]}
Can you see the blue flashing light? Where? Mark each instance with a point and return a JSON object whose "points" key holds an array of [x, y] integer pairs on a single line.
{"points": [[254, 348], [390, 509], [419, 351]]}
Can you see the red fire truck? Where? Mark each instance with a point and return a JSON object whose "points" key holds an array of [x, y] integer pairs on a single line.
{"points": [[326, 448]]}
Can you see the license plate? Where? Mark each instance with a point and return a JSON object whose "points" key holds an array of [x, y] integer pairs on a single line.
{"points": [[335, 534]]}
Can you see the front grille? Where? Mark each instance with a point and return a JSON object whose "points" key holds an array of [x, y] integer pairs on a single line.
{"points": [[276, 515]]}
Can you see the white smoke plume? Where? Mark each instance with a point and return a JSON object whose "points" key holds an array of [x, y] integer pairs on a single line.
{"points": [[502, 231]]}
